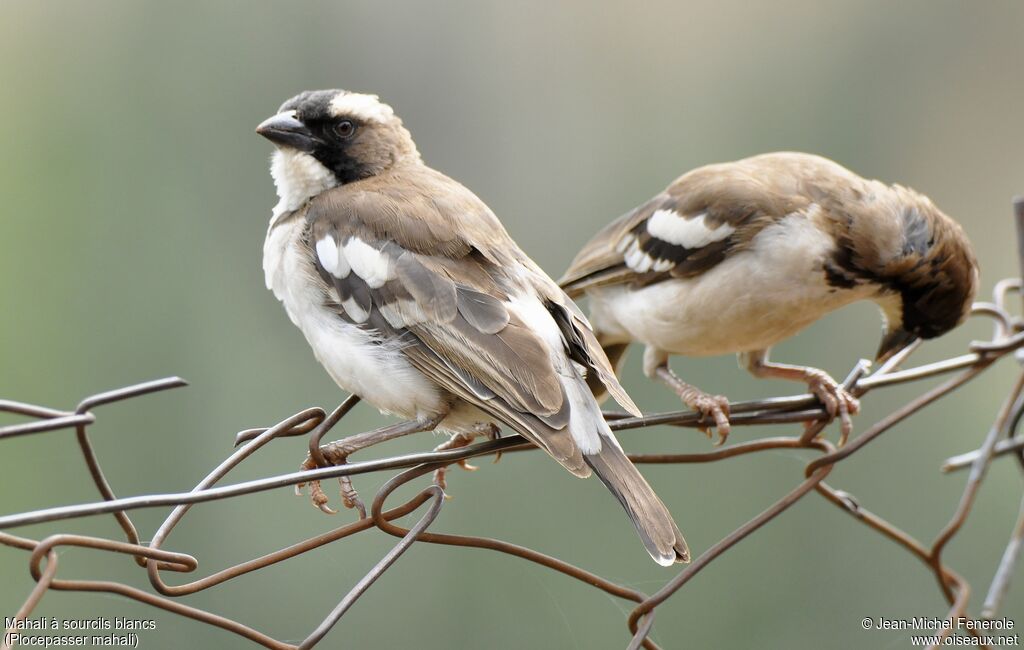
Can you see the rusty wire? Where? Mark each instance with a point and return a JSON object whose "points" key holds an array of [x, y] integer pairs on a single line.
{"points": [[1000, 440]]}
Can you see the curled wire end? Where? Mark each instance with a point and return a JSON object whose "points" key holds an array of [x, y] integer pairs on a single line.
{"points": [[862, 368], [313, 417], [246, 435]]}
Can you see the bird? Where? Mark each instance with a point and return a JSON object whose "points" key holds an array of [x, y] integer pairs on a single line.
{"points": [[414, 297], [736, 257]]}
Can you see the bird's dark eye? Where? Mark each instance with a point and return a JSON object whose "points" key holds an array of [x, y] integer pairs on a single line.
{"points": [[344, 129]]}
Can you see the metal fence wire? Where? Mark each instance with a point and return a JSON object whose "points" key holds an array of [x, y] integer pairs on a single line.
{"points": [[1000, 440]]}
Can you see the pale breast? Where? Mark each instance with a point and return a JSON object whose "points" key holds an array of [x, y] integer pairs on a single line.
{"points": [[357, 360], [751, 300]]}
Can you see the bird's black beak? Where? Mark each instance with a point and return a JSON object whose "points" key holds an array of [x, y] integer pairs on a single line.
{"points": [[286, 130], [893, 341]]}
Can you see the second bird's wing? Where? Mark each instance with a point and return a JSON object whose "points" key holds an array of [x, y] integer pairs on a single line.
{"points": [[702, 218]]}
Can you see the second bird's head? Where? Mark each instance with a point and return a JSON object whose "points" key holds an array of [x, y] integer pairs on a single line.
{"points": [[326, 138], [929, 282]]}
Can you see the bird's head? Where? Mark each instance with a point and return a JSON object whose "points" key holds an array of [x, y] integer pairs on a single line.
{"points": [[930, 284], [326, 138]]}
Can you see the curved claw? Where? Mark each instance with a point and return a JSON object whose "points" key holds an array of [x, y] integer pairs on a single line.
{"points": [[710, 407], [838, 402], [714, 407], [336, 455], [488, 430], [319, 499], [829, 400], [360, 507], [722, 420], [845, 421], [440, 477], [350, 497]]}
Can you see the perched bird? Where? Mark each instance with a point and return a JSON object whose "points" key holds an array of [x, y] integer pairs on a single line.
{"points": [[414, 297], [735, 257]]}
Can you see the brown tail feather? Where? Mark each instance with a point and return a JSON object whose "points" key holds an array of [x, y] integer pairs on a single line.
{"points": [[651, 518]]}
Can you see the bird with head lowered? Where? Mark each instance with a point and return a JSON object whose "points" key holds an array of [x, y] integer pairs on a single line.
{"points": [[736, 257]]}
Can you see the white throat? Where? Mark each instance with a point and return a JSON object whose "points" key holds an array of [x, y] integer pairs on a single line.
{"points": [[297, 176]]}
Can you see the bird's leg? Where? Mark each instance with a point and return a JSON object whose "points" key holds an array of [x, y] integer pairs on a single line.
{"points": [[337, 453], [710, 407], [486, 429], [836, 400]]}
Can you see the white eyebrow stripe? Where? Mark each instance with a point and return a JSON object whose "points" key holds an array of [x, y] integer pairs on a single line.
{"points": [[365, 107], [370, 264], [671, 227]]}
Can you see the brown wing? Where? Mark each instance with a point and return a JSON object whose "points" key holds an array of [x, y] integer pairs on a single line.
{"points": [[699, 220], [438, 275]]}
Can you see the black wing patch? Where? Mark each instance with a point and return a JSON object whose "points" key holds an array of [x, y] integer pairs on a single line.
{"points": [[666, 242]]}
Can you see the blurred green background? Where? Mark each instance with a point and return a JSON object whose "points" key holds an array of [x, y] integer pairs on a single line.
{"points": [[135, 197]]}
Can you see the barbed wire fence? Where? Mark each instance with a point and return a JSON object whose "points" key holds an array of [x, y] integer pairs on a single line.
{"points": [[1000, 440]]}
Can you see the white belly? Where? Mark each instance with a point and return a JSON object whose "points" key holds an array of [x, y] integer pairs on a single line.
{"points": [[750, 301], [376, 371]]}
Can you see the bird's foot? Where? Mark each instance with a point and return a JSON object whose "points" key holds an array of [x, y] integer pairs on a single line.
{"points": [[838, 402], [487, 430], [335, 453], [712, 408]]}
